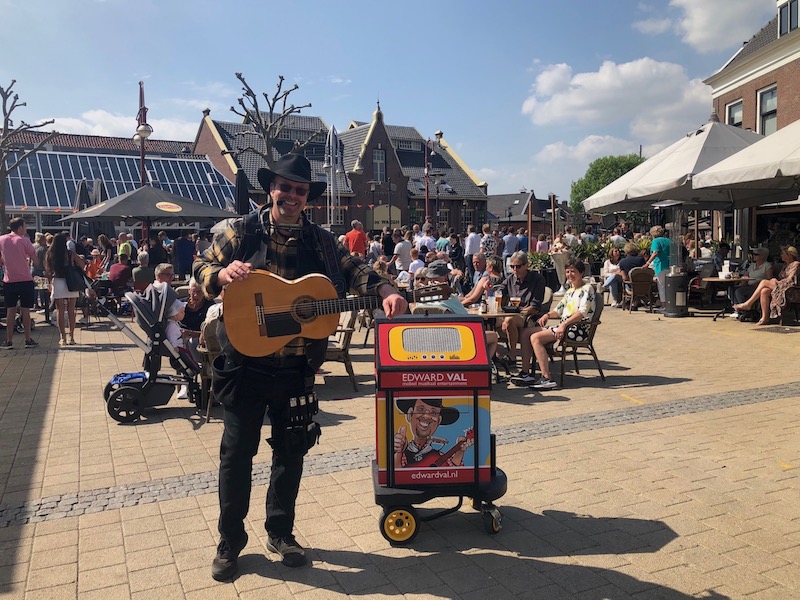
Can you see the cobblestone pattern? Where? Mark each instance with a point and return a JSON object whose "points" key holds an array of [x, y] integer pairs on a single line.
{"points": [[75, 504]]}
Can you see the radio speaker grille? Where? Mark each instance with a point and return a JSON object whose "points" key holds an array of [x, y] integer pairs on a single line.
{"points": [[431, 339]]}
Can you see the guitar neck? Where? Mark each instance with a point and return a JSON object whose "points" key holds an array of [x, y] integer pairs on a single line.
{"points": [[340, 305]]}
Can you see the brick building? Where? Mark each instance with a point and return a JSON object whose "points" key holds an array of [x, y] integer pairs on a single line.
{"points": [[759, 89]]}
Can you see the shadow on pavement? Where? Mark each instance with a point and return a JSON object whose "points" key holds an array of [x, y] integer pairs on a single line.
{"points": [[465, 559]]}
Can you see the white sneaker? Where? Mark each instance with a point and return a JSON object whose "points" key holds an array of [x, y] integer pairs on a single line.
{"points": [[183, 393], [735, 314], [523, 379], [83, 321]]}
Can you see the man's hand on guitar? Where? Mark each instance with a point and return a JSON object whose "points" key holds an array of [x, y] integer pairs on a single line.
{"points": [[462, 443], [235, 271], [393, 303]]}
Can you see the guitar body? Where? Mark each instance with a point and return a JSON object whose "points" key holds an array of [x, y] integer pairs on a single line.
{"points": [[265, 312]]}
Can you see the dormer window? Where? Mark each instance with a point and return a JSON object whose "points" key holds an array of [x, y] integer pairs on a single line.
{"points": [[787, 17]]}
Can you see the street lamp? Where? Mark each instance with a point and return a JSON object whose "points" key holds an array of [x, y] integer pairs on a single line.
{"points": [[430, 145], [143, 131], [389, 197], [437, 181], [509, 212]]}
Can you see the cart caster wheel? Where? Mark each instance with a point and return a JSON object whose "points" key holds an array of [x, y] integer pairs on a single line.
{"points": [[492, 520], [123, 404], [399, 525]]}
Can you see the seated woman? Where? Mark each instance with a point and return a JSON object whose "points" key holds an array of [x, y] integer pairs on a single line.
{"points": [[771, 293], [757, 270], [613, 282], [575, 310]]}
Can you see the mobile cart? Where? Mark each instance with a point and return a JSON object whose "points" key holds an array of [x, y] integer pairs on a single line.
{"points": [[433, 421]]}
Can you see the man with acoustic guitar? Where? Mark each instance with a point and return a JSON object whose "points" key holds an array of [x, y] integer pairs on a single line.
{"points": [[277, 238]]}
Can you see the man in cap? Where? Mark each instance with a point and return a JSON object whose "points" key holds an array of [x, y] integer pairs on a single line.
{"points": [[277, 237], [424, 415]]}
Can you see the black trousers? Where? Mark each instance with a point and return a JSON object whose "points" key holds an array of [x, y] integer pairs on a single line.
{"points": [[257, 392]]}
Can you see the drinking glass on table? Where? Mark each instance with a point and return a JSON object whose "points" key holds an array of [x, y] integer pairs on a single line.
{"points": [[514, 301]]}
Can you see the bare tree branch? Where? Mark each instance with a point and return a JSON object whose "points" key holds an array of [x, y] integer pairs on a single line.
{"points": [[8, 142], [268, 124]]}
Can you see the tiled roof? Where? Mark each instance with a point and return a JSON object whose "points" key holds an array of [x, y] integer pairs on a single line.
{"points": [[251, 162], [767, 35], [498, 204], [69, 141]]}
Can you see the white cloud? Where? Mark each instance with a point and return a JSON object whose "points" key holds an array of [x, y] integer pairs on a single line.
{"points": [[713, 25], [339, 80], [653, 26], [102, 122], [637, 93], [553, 79], [585, 151]]}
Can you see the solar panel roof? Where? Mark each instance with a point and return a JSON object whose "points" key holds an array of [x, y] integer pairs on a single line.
{"points": [[49, 180]]}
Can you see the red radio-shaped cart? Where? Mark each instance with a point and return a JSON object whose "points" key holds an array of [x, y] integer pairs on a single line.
{"points": [[433, 421]]}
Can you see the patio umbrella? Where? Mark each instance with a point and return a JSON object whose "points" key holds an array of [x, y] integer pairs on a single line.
{"points": [[82, 201], [147, 204], [764, 173], [667, 176]]}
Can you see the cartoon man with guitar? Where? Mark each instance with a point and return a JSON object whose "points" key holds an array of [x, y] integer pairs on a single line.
{"points": [[424, 415]]}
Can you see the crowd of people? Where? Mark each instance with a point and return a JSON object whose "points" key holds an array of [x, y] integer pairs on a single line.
{"points": [[36, 273]]}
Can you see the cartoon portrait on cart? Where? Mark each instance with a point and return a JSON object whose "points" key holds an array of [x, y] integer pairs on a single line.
{"points": [[436, 433]]}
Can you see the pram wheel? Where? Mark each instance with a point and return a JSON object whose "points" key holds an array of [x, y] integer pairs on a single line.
{"points": [[123, 404], [399, 524]]}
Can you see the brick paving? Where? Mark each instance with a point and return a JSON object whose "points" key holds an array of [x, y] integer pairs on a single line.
{"points": [[675, 478]]}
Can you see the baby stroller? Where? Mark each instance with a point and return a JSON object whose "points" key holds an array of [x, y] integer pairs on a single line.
{"points": [[126, 394]]}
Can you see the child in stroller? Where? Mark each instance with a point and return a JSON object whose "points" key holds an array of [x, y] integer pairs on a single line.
{"points": [[127, 393]]}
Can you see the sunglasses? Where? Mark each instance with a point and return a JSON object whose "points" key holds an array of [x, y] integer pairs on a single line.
{"points": [[516, 266], [300, 192]]}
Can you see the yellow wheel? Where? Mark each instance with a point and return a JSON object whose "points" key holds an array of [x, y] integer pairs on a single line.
{"points": [[399, 524]]}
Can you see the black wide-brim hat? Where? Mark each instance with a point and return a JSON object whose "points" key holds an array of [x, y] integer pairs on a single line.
{"points": [[294, 167], [449, 415]]}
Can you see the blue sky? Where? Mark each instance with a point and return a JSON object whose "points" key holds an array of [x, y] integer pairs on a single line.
{"points": [[528, 92]]}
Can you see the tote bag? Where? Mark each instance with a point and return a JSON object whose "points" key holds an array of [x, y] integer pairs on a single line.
{"points": [[75, 279]]}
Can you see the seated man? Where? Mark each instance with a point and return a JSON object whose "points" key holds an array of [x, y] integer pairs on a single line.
{"points": [[120, 274], [528, 286], [438, 273]]}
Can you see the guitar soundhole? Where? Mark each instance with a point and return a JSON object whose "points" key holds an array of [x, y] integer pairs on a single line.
{"points": [[303, 309]]}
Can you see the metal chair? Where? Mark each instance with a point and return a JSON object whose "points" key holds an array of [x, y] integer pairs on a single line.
{"points": [[565, 345]]}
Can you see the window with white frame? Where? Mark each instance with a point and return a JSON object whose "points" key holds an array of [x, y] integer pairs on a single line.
{"points": [[734, 114], [409, 145], [467, 216], [768, 111], [787, 17], [379, 165], [338, 216], [443, 218]]}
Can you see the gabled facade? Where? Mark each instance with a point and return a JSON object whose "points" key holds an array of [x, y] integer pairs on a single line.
{"points": [[418, 179], [383, 180]]}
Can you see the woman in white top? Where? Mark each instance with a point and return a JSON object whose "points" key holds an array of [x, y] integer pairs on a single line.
{"points": [[758, 269], [613, 282]]}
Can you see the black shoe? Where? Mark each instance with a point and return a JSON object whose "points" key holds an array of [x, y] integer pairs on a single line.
{"points": [[294, 555], [226, 563], [31, 344]]}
